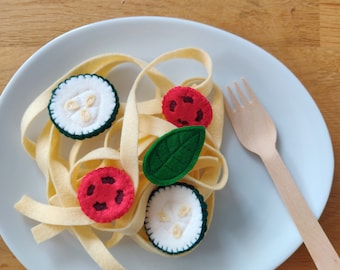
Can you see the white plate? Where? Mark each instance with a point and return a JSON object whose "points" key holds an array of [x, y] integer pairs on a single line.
{"points": [[251, 228]]}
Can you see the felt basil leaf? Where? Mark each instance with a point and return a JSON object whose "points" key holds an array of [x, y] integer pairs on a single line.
{"points": [[173, 155]]}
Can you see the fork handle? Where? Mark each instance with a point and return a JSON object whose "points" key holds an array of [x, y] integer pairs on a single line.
{"points": [[316, 241]]}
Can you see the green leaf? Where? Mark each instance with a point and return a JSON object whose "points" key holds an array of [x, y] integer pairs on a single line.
{"points": [[173, 155]]}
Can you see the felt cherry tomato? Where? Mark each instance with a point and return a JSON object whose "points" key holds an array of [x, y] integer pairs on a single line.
{"points": [[185, 106], [106, 194]]}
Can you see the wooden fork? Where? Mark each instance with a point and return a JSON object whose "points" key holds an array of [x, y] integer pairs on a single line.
{"points": [[257, 133]]}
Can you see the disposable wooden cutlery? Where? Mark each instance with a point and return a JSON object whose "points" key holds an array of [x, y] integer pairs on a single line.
{"points": [[257, 133]]}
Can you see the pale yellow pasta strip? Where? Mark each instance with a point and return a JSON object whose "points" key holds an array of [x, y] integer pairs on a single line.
{"points": [[218, 183], [150, 107], [60, 177], [155, 125], [43, 232], [114, 240], [206, 161], [216, 126], [96, 248], [35, 108], [43, 154], [49, 214]]}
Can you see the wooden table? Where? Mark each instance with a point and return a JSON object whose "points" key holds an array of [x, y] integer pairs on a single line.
{"points": [[303, 34]]}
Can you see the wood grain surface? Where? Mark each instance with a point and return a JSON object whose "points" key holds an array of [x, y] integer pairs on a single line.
{"points": [[303, 34]]}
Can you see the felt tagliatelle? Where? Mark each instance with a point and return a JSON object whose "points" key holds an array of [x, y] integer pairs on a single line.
{"points": [[144, 169]]}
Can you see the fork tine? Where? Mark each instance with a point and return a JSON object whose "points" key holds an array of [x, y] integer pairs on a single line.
{"points": [[249, 90], [241, 94], [233, 100]]}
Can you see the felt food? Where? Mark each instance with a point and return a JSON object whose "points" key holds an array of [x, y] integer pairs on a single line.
{"points": [[106, 194], [83, 106], [185, 106], [173, 155], [122, 173], [176, 218]]}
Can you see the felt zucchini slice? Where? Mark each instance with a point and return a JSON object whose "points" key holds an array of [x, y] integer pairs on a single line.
{"points": [[176, 218], [82, 106]]}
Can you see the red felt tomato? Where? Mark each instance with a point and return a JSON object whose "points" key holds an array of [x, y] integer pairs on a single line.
{"points": [[106, 194], [185, 106]]}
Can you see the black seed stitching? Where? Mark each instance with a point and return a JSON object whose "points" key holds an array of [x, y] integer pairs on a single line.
{"points": [[108, 180], [187, 99], [172, 105], [100, 206], [90, 190], [119, 197], [199, 115], [183, 122]]}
